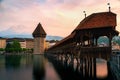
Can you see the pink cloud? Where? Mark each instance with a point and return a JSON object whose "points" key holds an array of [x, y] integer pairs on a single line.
{"points": [[57, 17]]}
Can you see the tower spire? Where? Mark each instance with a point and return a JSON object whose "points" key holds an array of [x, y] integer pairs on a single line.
{"points": [[84, 13], [39, 35], [109, 7]]}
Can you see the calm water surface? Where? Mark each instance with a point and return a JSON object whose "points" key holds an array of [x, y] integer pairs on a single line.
{"points": [[37, 67]]}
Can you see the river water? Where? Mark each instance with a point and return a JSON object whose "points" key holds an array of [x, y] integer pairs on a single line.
{"points": [[38, 67]]}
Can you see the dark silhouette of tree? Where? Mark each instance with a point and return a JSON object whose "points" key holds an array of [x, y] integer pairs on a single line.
{"points": [[8, 47], [13, 47]]}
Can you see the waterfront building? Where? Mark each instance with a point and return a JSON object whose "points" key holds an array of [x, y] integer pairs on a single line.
{"points": [[50, 43], [20, 40], [39, 39], [47, 45], [2, 43], [24, 42], [29, 43]]}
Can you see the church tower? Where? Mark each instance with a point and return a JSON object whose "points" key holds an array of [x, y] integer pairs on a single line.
{"points": [[39, 39]]}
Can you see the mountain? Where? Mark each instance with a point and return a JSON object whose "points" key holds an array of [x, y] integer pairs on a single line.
{"points": [[53, 37], [49, 37], [17, 36], [14, 32]]}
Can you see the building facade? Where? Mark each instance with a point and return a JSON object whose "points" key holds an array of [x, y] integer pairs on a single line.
{"points": [[29, 43], [20, 40], [2, 43]]}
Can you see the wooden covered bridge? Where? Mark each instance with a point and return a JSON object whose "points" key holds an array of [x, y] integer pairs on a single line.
{"points": [[82, 45], [83, 39]]}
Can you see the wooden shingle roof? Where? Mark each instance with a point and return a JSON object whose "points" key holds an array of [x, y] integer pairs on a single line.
{"points": [[98, 20], [71, 36], [39, 31], [67, 38]]}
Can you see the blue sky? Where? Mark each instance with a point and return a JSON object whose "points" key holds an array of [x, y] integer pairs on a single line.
{"points": [[58, 17]]}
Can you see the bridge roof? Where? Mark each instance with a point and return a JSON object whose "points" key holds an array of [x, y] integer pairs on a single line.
{"points": [[64, 40], [67, 38], [98, 20], [39, 31]]}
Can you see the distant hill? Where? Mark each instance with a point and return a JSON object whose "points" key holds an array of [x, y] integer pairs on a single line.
{"points": [[49, 37], [12, 33], [53, 37], [16, 36]]}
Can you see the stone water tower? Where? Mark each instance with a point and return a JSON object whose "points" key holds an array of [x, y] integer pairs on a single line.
{"points": [[39, 39]]}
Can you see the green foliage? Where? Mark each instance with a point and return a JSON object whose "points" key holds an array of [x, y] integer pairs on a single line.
{"points": [[32, 49], [16, 44], [8, 48], [8, 45], [13, 61], [24, 49], [1, 49], [14, 47]]}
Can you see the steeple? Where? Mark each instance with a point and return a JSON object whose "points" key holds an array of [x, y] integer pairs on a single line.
{"points": [[84, 13], [39, 31], [109, 7], [39, 35]]}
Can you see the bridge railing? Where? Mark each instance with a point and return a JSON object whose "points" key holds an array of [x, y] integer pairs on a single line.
{"points": [[95, 49]]}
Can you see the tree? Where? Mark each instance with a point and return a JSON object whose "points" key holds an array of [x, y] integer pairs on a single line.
{"points": [[1, 49], [8, 47], [16, 46], [13, 47]]}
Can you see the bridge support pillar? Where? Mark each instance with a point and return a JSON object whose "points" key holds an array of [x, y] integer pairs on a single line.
{"points": [[62, 58], [66, 59], [94, 67], [90, 67], [72, 60], [81, 66], [85, 66]]}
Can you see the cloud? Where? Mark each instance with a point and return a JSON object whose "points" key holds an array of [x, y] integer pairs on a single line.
{"points": [[58, 17], [19, 29]]}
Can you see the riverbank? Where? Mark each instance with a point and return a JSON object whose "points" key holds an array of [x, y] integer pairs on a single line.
{"points": [[22, 53]]}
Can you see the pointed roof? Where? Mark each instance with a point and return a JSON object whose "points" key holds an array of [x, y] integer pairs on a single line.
{"points": [[98, 20], [66, 38], [39, 31], [69, 37]]}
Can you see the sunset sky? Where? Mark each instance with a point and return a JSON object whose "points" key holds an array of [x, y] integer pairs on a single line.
{"points": [[58, 17]]}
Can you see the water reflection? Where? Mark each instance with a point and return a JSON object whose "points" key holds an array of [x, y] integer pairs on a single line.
{"points": [[102, 71], [51, 73], [12, 68], [12, 61], [43, 69], [95, 69], [38, 67]]}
